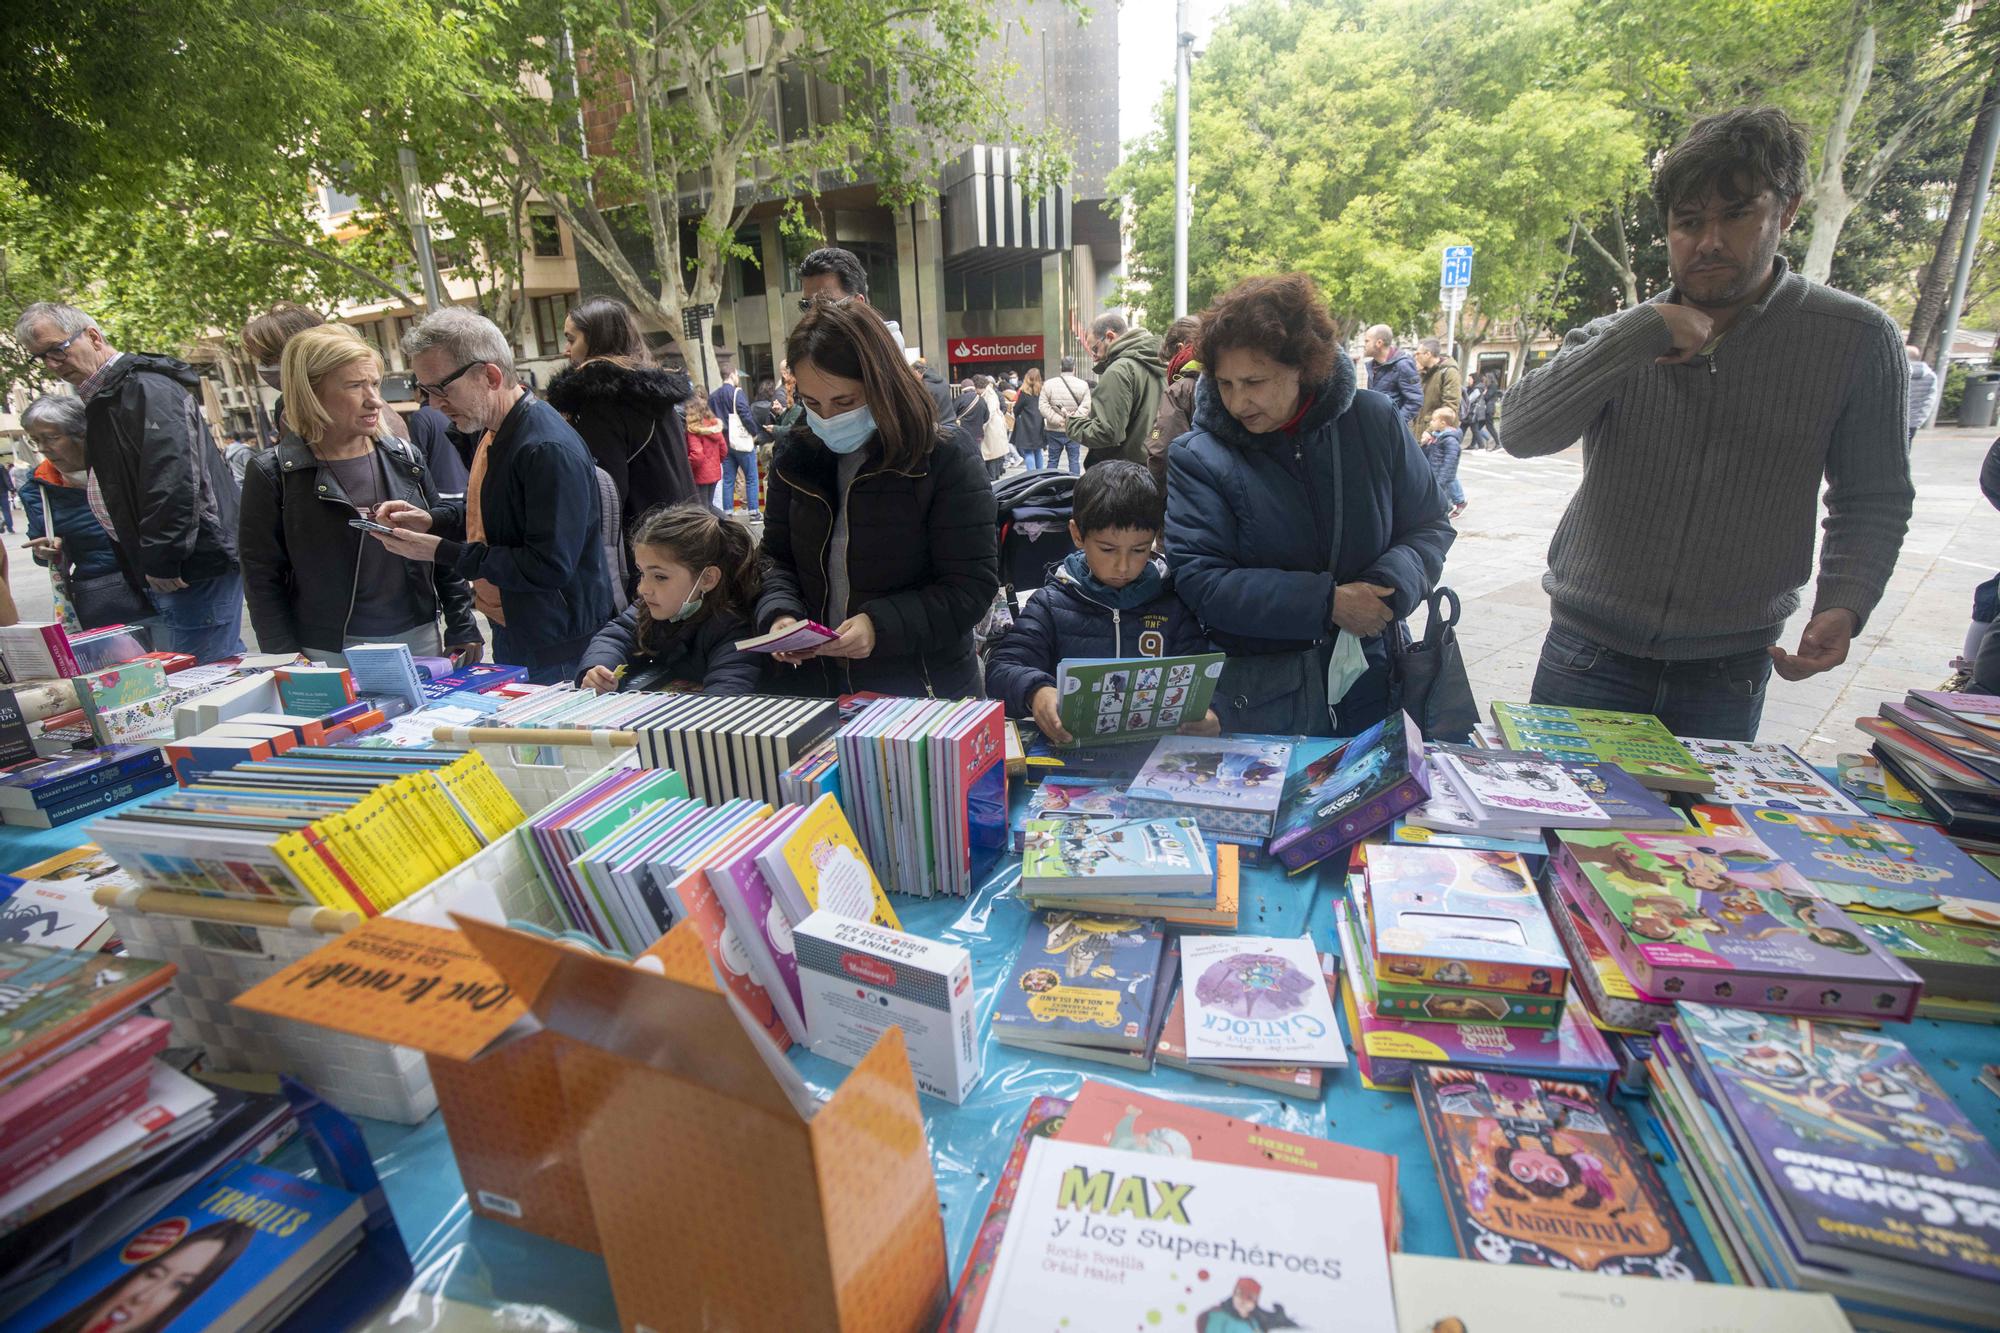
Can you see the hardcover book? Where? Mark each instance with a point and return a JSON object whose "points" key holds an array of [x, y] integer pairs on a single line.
{"points": [[1545, 1173], [1774, 776], [52, 999], [1954, 960], [1714, 918], [818, 865], [1069, 799], [1468, 919], [1351, 793], [1613, 998], [1519, 788], [1161, 857], [1227, 785], [1260, 1001], [1435, 1002], [968, 1294], [1881, 864], [1083, 980], [1636, 742], [1300, 1081], [1117, 699]]}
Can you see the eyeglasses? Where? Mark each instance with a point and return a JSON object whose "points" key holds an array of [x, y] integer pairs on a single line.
{"points": [[437, 390], [48, 356]]}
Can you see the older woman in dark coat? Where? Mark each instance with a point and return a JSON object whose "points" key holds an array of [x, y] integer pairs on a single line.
{"points": [[1299, 515]]}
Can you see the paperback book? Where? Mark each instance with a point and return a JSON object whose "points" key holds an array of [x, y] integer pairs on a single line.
{"points": [[1257, 1000], [1230, 786], [1763, 774], [1083, 981], [1302, 1082], [1102, 700], [1636, 742], [1161, 857], [1352, 793]]}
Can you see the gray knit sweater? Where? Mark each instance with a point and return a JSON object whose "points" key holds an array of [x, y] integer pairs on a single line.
{"points": [[1693, 529]]}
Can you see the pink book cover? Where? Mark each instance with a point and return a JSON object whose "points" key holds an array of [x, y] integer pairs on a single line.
{"points": [[54, 1142], [76, 1078], [725, 953], [757, 907], [978, 752]]}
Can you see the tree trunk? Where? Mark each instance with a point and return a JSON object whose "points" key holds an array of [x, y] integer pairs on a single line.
{"points": [[1827, 196], [1620, 260], [1927, 323]]}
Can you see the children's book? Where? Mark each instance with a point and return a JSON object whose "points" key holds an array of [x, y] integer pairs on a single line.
{"points": [[1115, 699], [1082, 980], [1517, 789], [968, 1294], [1958, 961], [1715, 918], [1883, 864], [1069, 798], [1351, 793], [1132, 1121], [1546, 1173], [1258, 1000], [1100, 1239], [1628, 801], [1614, 1000], [1231, 786], [1456, 918], [791, 639], [1298, 1081], [53, 999], [1205, 913], [818, 865], [1877, 791], [1637, 742], [1760, 773], [1159, 857]]}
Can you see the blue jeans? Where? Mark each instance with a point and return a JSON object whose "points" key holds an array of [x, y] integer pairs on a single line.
{"points": [[1061, 444], [1455, 492], [1713, 698], [205, 618], [732, 464], [1032, 458]]}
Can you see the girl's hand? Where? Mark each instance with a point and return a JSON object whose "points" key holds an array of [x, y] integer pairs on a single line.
{"points": [[1046, 706], [403, 514], [857, 639], [1206, 726], [600, 678]]}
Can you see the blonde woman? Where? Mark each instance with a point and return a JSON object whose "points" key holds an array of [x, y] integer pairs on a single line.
{"points": [[314, 582]]}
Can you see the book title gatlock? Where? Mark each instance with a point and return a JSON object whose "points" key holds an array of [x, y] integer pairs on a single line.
{"points": [[1099, 1196]]}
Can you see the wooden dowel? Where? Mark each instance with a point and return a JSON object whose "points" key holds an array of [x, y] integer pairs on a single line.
{"points": [[231, 911]]}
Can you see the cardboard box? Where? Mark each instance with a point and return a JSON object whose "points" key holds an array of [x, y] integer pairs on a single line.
{"points": [[860, 979]]}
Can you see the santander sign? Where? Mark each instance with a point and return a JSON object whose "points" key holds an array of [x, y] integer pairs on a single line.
{"points": [[1021, 347]]}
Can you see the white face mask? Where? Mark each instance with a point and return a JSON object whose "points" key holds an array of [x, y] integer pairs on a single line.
{"points": [[1347, 665]]}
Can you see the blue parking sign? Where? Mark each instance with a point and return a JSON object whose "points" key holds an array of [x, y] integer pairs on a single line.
{"points": [[1457, 267]]}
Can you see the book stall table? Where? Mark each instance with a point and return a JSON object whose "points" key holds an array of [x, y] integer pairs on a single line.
{"points": [[465, 1264]]}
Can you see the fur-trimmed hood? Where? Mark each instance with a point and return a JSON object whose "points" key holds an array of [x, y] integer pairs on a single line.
{"points": [[1331, 399], [648, 389]]}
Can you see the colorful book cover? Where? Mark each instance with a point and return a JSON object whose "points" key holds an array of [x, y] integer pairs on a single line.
{"points": [[51, 999], [232, 1252], [1103, 1239], [1637, 742], [1104, 700], [1624, 798], [1258, 1000], [1163, 857], [1132, 1121], [1878, 791], [1461, 918], [1545, 1173], [1859, 1152], [1230, 785], [1220, 912], [1886, 865], [1614, 1000], [968, 1294], [126, 683], [1432, 1001], [821, 866], [1953, 959], [1775, 776], [1301, 1081], [1069, 798], [1352, 793], [1710, 917], [1086, 980], [1520, 787]]}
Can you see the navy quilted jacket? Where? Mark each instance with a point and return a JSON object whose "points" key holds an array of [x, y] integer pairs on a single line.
{"points": [[1073, 615]]}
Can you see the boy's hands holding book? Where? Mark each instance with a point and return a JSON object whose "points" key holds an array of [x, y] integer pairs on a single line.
{"points": [[1211, 725], [1047, 707]]}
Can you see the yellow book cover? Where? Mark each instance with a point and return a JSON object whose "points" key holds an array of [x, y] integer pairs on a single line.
{"points": [[500, 802], [477, 788], [417, 827], [312, 874], [383, 845], [821, 861], [435, 802], [345, 843]]}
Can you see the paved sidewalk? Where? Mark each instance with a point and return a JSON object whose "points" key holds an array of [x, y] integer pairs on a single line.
{"points": [[1954, 543]]}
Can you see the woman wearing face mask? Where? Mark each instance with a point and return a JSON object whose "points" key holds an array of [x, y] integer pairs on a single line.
{"points": [[697, 585], [62, 532], [1302, 523], [880, 524], [312, 581]]}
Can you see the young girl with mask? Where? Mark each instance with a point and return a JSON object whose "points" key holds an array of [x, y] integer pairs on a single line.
{"points": [[879, 524], [697, 583]]}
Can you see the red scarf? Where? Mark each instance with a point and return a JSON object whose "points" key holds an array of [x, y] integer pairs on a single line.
{"points": [[1305, 405], [1179, 361]]}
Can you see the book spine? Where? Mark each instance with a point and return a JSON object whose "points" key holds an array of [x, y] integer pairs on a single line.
{"points": [[21, 1168], [105, 798], [126, 769], [60, 652]]}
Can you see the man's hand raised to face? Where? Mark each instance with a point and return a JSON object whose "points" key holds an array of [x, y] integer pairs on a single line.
{"points": [[1691, 330]]}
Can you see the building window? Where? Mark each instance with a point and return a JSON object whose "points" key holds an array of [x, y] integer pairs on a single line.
{"points": [[338, 203], [371, 332], [750, 271], [549, 312], [954, 290], [545, 235], [1007, 289], [794, 111], [1031, 284], [979, 291]]}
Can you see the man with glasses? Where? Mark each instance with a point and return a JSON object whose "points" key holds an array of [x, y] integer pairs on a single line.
{"points": [[829, 273], [157, 482], [528, 533]]}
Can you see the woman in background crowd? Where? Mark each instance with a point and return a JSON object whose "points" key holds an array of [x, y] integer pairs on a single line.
{"points": [[622, 404], [1030, 438], [62, 532], [1176, 417]]}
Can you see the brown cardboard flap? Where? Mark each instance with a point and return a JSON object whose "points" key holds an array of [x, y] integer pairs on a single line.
{"points": [[675, 1026], [395, 981]]}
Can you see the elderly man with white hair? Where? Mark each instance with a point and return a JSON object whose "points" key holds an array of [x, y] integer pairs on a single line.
{"points": [[527, 534], [158, 484], [1392, 372]]}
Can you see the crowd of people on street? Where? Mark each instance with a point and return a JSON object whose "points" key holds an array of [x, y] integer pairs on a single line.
{"points": [[1236, 486]]}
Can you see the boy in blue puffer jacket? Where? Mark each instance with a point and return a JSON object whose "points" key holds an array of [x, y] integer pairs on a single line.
{"points": [[1111, 598]]}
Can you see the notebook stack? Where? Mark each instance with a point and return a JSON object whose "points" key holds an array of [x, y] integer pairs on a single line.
{"points": [[925, 783], [1090, 987], [1828, 1159], [353, 830]]}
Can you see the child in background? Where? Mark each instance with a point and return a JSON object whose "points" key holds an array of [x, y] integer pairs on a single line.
{"points": [[706, 442], [1441, 445], [1112, 597], [697, 583]]}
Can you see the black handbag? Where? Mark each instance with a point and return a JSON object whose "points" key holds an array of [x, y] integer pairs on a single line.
{"points": [[1430, 680], [107, 599]]}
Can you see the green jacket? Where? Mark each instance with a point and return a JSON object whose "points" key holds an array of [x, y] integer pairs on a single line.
{"points": [[1123, 406]]}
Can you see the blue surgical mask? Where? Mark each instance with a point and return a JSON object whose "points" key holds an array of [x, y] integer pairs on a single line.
{"points": [[845, 433]]}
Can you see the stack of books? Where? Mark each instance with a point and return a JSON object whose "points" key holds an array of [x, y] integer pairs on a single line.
{"points": [[1945, 748], [1230, 786], [731, 749], [1723, 919], [353, 830], [925, 783], [1300, 1082], [1088, 987], [44, 650], [604, 853], [1639, 743], [1828, 1159], [1525, 791], [53, 902], [45, 793], [1257, 1011], [1351, 794], [1614, 1002], [813, 775]]}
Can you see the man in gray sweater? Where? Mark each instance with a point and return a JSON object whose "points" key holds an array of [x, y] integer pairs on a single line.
{"points": [[1709, 416]]}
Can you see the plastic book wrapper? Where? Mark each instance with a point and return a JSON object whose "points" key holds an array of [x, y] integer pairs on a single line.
{"points": [[597, 1119]]}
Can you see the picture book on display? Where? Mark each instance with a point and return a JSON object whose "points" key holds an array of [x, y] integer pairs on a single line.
{"points": [[1880, 864], [1523, 789], [1613, 998], [1162, 857], [1461, 919], [1133, 1122], [968, 1294], [1230, 786], [1877, 791], [1546, 1173], [1116, 699], [53, 999], [1351, 793], [1637, 742], [1396, 998], [1959, 961], [1082, 980], [1103, 1239], [240, 1250], [1218, 909], [1256, 1000], [1760, 773], [816, 864], [1448, 1295], [1857, 1155], [1716, 918]]}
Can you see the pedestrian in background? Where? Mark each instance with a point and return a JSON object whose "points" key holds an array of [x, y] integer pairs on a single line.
{"points": [[7, 488], [1176, 415], [706, 448], [1923, 388], [1441, 445], [622, 404], [993, 445], [1130, 379], [1030, 434], [1478, 415], [1444, 382], [1393, 373], [62, 532], [732, 408], [1064, 399]]}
